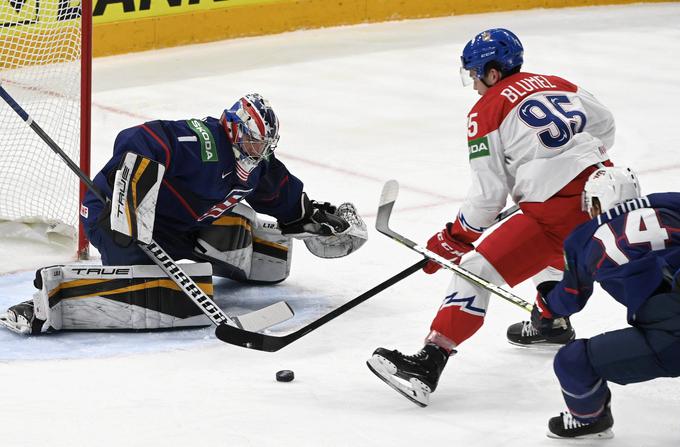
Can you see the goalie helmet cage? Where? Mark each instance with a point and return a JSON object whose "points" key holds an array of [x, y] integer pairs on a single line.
{"points": [[46, 64]]}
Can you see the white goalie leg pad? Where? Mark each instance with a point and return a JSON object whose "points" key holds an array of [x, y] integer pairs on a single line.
{"points": [[95, 297], [272, 253], [340, 244], [243, 247]]}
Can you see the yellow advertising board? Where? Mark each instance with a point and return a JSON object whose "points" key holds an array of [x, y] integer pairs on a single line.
{"points": [[31, 29], [106, 11]]}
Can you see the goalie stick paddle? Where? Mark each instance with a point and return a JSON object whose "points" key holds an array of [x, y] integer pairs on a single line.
{"points": [[263, 318], [272, 343], [387, 199]]}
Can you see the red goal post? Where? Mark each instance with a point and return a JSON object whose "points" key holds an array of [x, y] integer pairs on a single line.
{"points": [[46, 64]]}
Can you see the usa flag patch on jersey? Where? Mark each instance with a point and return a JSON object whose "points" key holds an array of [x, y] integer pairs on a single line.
{"points": [[230, 201]]}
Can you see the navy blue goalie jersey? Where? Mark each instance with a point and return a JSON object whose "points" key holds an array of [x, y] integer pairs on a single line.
{"points": [[629, 250], [203, 178]]}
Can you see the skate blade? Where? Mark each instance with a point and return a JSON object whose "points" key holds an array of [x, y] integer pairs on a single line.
{"points": [[414, 390], [12, 325], [541, 345], [538, 346], [607, 434]]}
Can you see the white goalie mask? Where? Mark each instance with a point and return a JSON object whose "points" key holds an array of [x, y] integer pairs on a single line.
{"points": [[610, 186]]}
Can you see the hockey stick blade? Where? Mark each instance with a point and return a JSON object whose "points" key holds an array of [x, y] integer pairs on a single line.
{"points": [[387, 199], [272, 343], [266, 317]]}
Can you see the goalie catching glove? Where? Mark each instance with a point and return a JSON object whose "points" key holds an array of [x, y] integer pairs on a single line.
{"points": [[328, 231]]}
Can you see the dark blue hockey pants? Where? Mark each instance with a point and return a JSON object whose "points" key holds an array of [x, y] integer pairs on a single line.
{"points": [[649, 349]]}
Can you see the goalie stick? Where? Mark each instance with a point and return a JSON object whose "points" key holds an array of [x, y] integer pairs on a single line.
{"points": [[388, 198], [254, 321]]}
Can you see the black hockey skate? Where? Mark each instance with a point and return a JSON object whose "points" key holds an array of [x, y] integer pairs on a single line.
{"points": [[413, 376], [565, 426], [20, 318], [524, 334]]}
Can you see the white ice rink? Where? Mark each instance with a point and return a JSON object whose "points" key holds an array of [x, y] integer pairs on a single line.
{"points": [[358, 105]]}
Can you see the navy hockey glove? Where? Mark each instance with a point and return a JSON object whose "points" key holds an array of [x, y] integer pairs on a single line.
{"points": [[450, 243], [317, 219], [541, 316]]}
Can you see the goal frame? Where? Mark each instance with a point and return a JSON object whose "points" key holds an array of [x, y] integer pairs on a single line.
{"points": [[85, 114]]}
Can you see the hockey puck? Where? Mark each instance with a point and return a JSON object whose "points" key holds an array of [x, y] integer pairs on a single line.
{"points": [[285, 375]]}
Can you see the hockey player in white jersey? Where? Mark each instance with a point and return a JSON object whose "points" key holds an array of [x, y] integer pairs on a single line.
{"points": [[535, 138]]}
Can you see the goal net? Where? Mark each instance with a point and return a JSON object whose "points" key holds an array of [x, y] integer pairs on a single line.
{"points": [[45, 55]]}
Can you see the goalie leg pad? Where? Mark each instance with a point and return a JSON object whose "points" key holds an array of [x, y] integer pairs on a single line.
{"points": [[95, 297], [242, 247], [272, 254]]}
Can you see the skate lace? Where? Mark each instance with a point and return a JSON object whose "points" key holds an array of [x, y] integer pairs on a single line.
{"points": [[420, 355], [528, 329], [569, 422]]}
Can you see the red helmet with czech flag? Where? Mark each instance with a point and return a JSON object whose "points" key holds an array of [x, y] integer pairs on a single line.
{"points": [[252, 127]]}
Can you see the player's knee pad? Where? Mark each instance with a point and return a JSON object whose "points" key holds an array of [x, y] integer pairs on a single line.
{"points": [[471, 297], [95, 297], [243, 247], [573, 368]]}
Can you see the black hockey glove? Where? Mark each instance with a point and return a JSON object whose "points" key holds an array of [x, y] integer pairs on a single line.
{"points": [[318, 219], [541, 316], [104, 222]]}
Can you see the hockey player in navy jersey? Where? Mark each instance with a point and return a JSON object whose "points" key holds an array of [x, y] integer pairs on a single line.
{"points": [[198, 188], [631, 247]]}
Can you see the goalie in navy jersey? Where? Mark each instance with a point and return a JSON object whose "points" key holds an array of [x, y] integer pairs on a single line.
{"points": [[198, 188], [631, 247]]}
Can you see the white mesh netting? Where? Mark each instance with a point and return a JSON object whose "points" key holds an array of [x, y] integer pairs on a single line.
{"points": [[40, 67]]}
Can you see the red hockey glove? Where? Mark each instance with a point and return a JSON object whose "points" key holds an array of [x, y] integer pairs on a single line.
{"points": [[541, 315], [450, 243]]}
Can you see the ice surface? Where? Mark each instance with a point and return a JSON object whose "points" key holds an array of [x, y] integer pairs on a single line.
{"points": [[358, 105]]}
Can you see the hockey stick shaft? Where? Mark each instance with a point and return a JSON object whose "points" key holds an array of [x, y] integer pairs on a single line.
{"points": [[153, 250], [506, 213], [270, 343], [387, 200]]}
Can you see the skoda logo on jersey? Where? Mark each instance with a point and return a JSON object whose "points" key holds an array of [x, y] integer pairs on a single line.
{"points": [[208, 146], [479, 147]]}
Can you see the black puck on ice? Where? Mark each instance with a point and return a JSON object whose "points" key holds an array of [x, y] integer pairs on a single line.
{"points": [[285, 375]]}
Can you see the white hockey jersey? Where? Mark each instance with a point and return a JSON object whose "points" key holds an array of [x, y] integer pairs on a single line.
{"points": [[529, 136]]}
